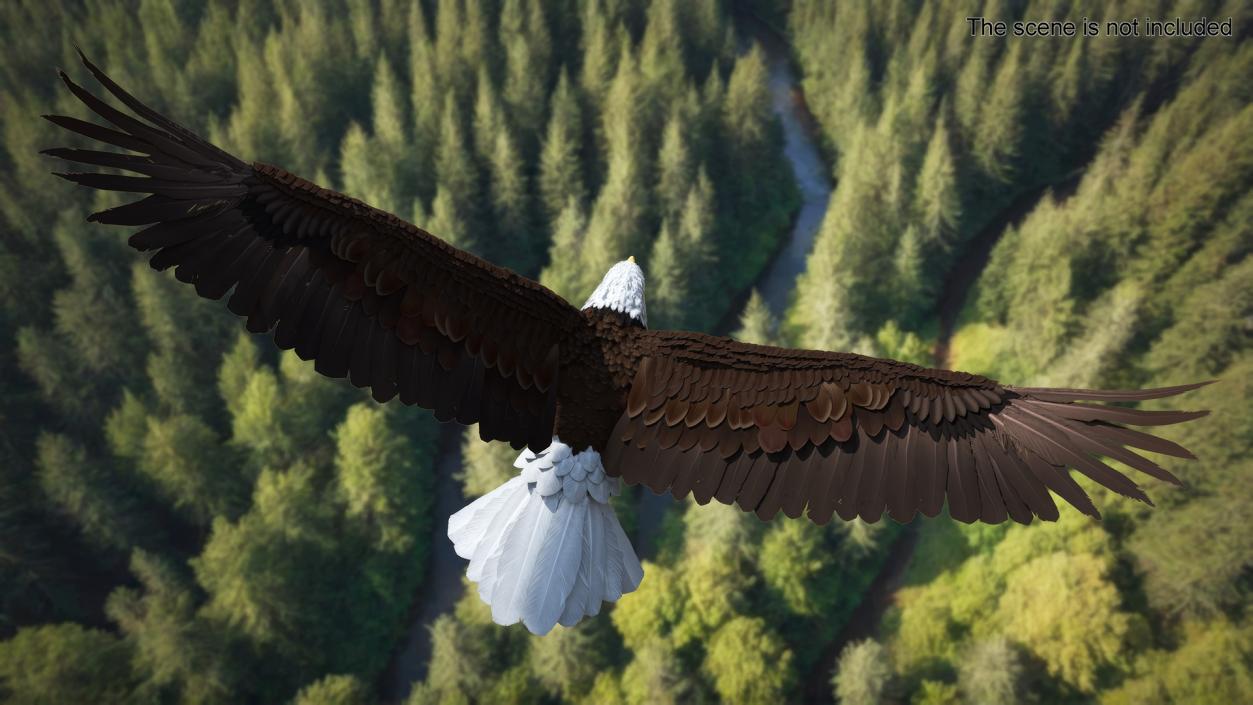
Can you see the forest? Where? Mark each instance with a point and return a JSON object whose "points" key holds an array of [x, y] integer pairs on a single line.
{"points": [[189, 516]]}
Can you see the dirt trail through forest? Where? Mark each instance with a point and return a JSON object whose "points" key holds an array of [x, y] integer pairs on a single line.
{"points": [[442, 587]]}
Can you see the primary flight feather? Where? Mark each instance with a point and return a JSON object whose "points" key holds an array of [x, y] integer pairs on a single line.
{"points": [[592, 394]]}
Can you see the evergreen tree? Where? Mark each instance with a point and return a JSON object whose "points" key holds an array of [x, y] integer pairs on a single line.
{"points": [[991, 673], [87, 493], [999, 131], [489, 117], [425, 99], [863, 675], [668, 294], [600, 52], [661, 51], [565, 660], [564, 273], [174, 649], [561, 162], [484, 466], [938, 200], [748, 663], [512, 207], [620, 214], [65, 663], [527, 45], [455, 208], [378, 477], [186, 462], [676, 168], [334, 690], [655, 675], [757, 323]]}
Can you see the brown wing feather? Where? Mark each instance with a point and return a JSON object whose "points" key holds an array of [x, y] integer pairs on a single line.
{"points": [[363, 293], [784, 430]]}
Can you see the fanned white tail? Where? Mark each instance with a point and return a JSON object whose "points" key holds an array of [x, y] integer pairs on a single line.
{"points": [[546, 547]]}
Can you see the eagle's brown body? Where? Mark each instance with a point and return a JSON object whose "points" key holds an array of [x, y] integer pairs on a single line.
{"points": [[382, 302], [597, 366]]}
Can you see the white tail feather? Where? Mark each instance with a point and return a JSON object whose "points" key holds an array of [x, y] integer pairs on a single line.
{"points": [[541, 547]]}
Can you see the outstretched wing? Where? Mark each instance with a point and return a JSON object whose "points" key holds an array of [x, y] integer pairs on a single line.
{"points": [[773, 428], [363, 293]]}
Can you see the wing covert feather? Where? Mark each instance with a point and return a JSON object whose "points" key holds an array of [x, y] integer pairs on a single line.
{"points": [[818, 433]]}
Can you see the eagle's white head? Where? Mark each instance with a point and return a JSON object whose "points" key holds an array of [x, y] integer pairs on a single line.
{"points": [[621, 290]]}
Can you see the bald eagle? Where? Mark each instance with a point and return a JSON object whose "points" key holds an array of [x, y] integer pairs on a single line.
{"points": [[591, 396]]}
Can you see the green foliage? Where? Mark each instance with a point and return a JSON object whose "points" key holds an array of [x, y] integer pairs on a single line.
{"points": [[378, 478], [936, 693], [174, 649], [65, 663], [566, 661], [334, 690], [484, 466], [283, 521], [184, 459], [864, 674], [757, 323], [655, 675], [747, 663], [561, 164], [991, 673], [1210, 667]]}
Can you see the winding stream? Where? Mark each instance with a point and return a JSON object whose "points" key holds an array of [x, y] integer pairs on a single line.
{"points": [[779, 278]]}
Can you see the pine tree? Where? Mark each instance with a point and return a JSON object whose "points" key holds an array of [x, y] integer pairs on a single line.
{"points": [[334, 690], [394, 163], [448, 55], [457, 196], [863, 675], [566, 660], [259, 422], [675, 166], [748, 663], [757, 323], [661, 51], [448, 223], [66, 663], [425, 98], [746, 112], [489, 117], [564, 273], [378, 478], [991, 673], [174, 648], [512, 207], [187, 463], [621, 211], [668, 293], [696, 230], [600, 52], [561, 162], [997, 140], [86, 492], [938, 199], [527, 44]]}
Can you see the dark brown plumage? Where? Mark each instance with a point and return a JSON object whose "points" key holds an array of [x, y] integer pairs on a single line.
{"points": [[372, 298]]}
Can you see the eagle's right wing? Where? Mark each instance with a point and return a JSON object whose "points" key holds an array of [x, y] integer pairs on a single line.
{"points": [[817, 432], [364, 294]]}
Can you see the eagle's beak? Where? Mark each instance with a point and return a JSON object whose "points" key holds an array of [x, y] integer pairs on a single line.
{"points": [[631, 259]]}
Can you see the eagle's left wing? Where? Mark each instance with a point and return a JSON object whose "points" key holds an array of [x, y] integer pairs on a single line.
{"points": [[363, 293], [774, 428]]}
